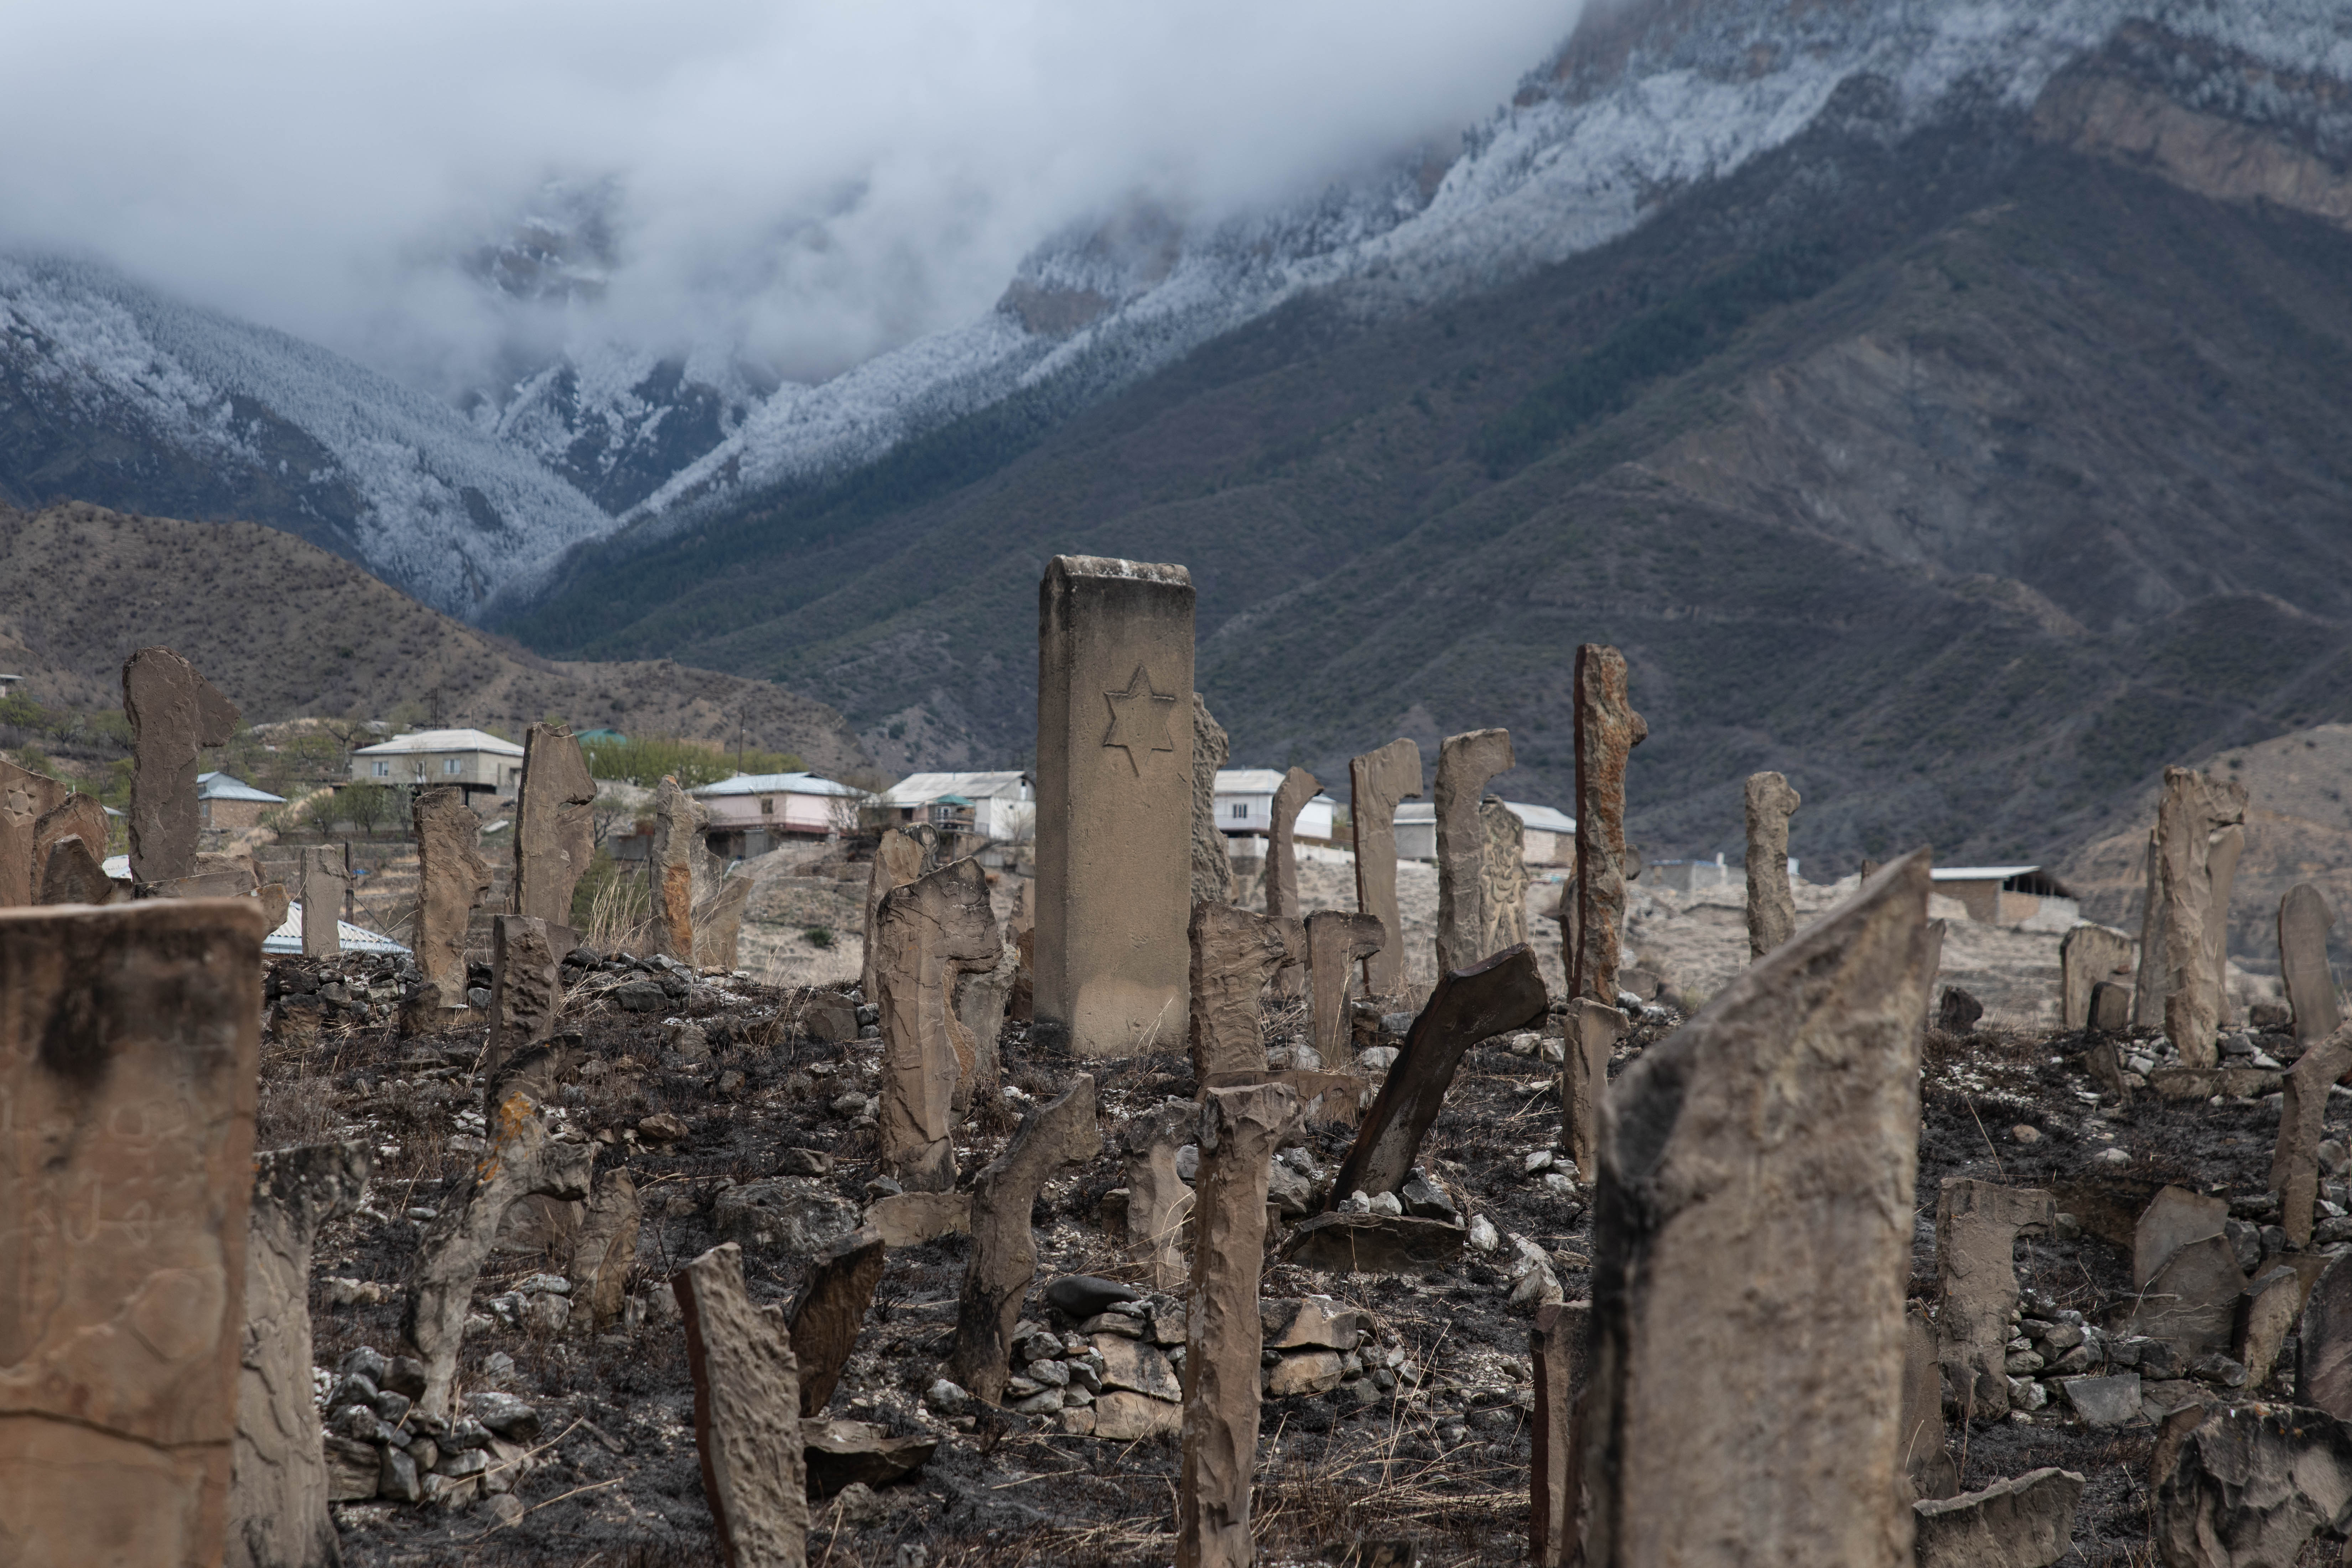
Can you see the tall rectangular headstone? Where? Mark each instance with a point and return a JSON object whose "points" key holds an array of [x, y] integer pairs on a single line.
{"points": [[1757, 1170], [129, 1068], [1336, 940], [1464, 764], [1554, 1480], [1772, 906], [321, 891], [174, 713], [2189, 819], [2303, 923], [555, 828], [2222, 854], [747, 1414], [1212, 869], [2089, 955], [25, 797], [927, 931], [678, 821], [1114, 804], [1290, 797], [1503, 895], [1377, 781], [452, 878], [2148, 991], [1607, 730]]}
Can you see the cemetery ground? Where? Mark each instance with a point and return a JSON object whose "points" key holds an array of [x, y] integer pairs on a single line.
{"points": [[1422, 1435]]}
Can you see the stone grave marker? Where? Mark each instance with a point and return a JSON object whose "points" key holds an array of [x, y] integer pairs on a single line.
{"points": [[2148, 991], [1337, 941], [1607, 730], [452, 879], [1976, 1226], [1004, 1248], [2192, 1302], [1927, 1466], [1212, 869], [2304, 921], [2190, 816], [1158, 1199], [174, 713], [2089, 955], [2302, 1107], [830, 1310], [929, 930], [75, 876], [1772, 906], [1592, 1033], [1502, 898], [679, 822], [1377, 781], [77, 818], [1114, 805], [1464, 764], [1290, 797], [25, 797], [2027, 1521], [902, 854], [747, 1414], [555, 827], [1556, 1345], [2221, 855], [2174, 1217], [1234, 956], [604, 1249], [322, 884], [526, 990], [2323, 1364]]}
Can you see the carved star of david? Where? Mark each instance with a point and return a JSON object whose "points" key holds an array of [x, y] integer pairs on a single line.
{"points": [[1138, 719]]}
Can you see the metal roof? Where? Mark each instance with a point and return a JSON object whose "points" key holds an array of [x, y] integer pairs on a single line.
{"points": [[1542, 818], [776, 784], [1978, 873], [288, 938], [427, 741], [923, 789], [222, 786]]}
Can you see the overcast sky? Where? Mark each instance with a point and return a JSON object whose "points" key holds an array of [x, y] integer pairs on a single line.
{"points": [[818, 182]]}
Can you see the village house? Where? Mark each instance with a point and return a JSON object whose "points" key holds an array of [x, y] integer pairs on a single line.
{"points": [[2023, 896], [1000, 808], [1549, 832], [475, 762], [224, 802], [1245, 804], [751, 813]]}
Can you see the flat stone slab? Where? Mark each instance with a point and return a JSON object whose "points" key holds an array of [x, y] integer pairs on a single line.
{"points": [[840, 1452], [2024, 1522], [1372, 1242], [2106, 1401], [911, 1219], [2204, 1083], [1124, 1418]]}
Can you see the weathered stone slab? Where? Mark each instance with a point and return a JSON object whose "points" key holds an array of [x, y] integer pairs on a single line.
{"points": [[718, 920], [77, 818], [980, 998], [2148, 991], [1503, 864], [1158, 1199], [2192, 810], [747, 1420], [1290, 797], [929, 931], [1004, 1248], [75, 875], [2089, 955], [1607, 730], [1129, 1417], [2246, 1486], [2111, 1007], [278, 1481], [2221, 855], [1502, 994], [2267, 1312], [1757, 1168], [2024, 1522], [2302, 1107], [452, 878], [603, 1249], [900, 856], [2322, 1362], [526, 989], [1556, 1345], [2113, 1401], [2305, 919], [1377, 781], [1212, 869], [1772, 906], [1223, 1333], [911, 1219], [1927, 1467], [679, 822], [1372, 1242], [2192, 1302], [25, 797], [555, 827], [320, 888], [129, 1061], [1977, 1226], [1114, 805], [2173, 1219], [174, 713], [1593, 1030], [1464, 764], [841, 1452], [2204, 1083], [830, 1310], [1234, 956], [1335, 1097], [1337, 941]]}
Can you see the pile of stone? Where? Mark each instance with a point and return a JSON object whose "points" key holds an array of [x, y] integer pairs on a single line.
{"points": [[379, 1444], [306, 994], [1314, 1346], [1119, 1356]]}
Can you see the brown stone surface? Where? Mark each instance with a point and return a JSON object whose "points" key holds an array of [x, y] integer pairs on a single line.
{"points": [[1377, 781], [1372, 1242], [1114, 805], [1556, 1345], [2148, 991], [841, 1452], [1337, 941], [2174, 1217], [2222, 852], [2266, 1316], [1159, 1200], [525, 1157], [1234, 956], [1004, 1248], [129, 1061], [2322, 1360], [79, 819], [676, 855], [1592, 1033], [2304, 921], [2302, 1107], [25, 797], [526, 989], [1757, 1168], [901, 855], [927, 932], [320, 888], [982, 997], [830, 1310], [911, 1219], [277, 1478], [1126, 1417], [1337, 1097], [2111, 1008], [2193, 810], [1977, 1226], [75, 876], [1927, 1467], [1503, 994], [555, 828], [174, 712], [1212, 869], [718, 921], [2088, 955], [1290, 797], [1607, 730], [2027, 1521], [452, 878], [1224, 1336], [1502, 898], [2248, 1485], [2192, 1302], [1771, 907], [603, 1249], [1464, 764], [746, 1419]]}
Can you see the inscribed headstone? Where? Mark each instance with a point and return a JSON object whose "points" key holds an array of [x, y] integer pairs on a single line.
{"points": [[1607, 729], [1377, 781], [174, 713], [1464, 764], [555, 828]]}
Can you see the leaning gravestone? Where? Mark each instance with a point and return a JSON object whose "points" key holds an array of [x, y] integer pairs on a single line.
{"points": [[2303, 923], [1772, 906], [1607, 730], [1377, 781], [555, 826], [1212, 869], [174, 713], [830, 1310], [927, 933], [1336, 940], [1591, 1033], [900, 855], [1464, 764], [452, 878], [1976, 1226], [1158, 1199], [2302, 1108], [1235, 955], [75, 876], [1927, 1465], [2088, 956], [1114, 805], [1003, 1246], [678, 821], [1290, 797], [526, 990], [1757, 1168], [747, 1414], [128, 1061], [321, 890]]}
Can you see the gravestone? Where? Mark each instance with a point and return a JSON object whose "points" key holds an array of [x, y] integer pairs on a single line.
{"points": [[1114, 805], [1290, 797], [1772, 906], [321, 885], [900, 856], [77, 819], [927, 931], [174, 713], [604, 1249], [718, 921], [277, 1478], [1003, 1248], [2174, 1217], [1158, 1199], [526, 990], [1503, 897], [2089, 955], [2302, 1107], [2221, 855], [1212, 869], [1464, 764], [1593, 1031], [2194, 809], [555, 826], [75, 876], [1927, 1467], [1240, 1130], [1556, 1347], [830, 1310], [2111, 1007], [2266, 1316], [452, 878], [982, 998], [1504, 994], [1607, 730], [128, 1065], [2027, 1521], [678, 821], [747, 1414], [2192, 1302], [1234, 956], [2304, 921], [2323, 1364], [25, 797], [1758, 1170], [1976, 1226], [2148, 991], [1337, 941], [1377, 781], [2247, 1485]]}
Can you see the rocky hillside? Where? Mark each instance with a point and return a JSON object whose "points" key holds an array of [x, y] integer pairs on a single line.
{"points": [[286, 629]]}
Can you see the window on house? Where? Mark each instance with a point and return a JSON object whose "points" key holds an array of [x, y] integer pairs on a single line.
{"points": [[449, 766], [1241, 811], [767, 807], [383, 769]]}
